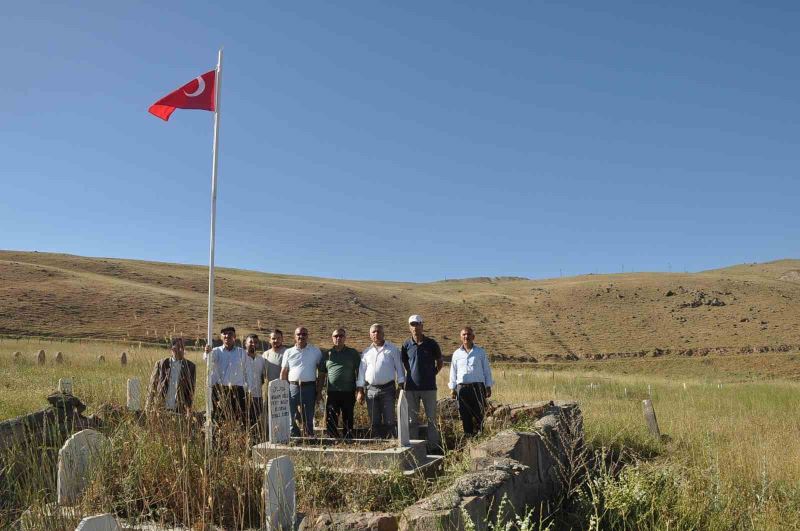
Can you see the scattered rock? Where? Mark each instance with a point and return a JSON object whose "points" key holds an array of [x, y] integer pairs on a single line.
{"points": [[355, 521], [17, 356]]}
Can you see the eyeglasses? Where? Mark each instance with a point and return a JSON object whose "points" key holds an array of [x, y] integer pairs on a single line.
{"points": [[302, 334], [415, 324], [338, 335]]}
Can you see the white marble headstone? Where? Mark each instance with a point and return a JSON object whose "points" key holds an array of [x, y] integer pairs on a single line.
{"points": [[65, 386], [100, 522], [279, 494], [74, 462], [403, 434], [134, 394], [280, 420]]}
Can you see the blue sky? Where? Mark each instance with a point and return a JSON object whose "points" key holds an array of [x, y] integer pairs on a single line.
{"points": [[407, 141]]}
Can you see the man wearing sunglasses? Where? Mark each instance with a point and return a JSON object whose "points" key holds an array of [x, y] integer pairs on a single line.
{"points": [[341, 364], [299, 366]]}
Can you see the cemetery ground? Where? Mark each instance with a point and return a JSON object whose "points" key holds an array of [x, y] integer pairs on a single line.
{"points": [[729, 456]]}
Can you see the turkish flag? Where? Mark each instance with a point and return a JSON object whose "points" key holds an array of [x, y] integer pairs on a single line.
{"points": [[196, 94]]}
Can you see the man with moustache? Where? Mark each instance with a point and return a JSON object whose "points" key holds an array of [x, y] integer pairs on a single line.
{"points": [[254, 372], [299, 367], [422, 360], [172, 381], [274, 356], [470, 381], [341, 364], [380, 366], [227, 378]]}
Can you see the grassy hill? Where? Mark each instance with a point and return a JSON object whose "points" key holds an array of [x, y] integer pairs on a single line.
{"points": [[735, 310]]}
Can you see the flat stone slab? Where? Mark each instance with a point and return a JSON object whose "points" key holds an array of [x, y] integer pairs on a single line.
{"points": [[338, 453], [100, 522]]}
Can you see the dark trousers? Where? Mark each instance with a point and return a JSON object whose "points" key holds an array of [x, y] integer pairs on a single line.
{"points": [[344, 402], [471, 405], [255, 409], [228, 403]]}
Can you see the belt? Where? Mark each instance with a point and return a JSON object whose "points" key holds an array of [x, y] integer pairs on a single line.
{"points": [[303, 384], [473, 384], [381, 386]]}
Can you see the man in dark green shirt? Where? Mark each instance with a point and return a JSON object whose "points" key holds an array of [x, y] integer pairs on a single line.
{"points": [[341, 363]]}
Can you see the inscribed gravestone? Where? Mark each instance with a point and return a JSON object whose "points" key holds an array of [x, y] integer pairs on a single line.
{"points": [[100, 522], [403, 434], [134, 394], [279, 418], [74, 462], [65, 386], [650, 418], [279, 494]]}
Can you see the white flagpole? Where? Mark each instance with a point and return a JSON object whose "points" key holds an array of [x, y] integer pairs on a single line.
{"points": [[210, 336]]}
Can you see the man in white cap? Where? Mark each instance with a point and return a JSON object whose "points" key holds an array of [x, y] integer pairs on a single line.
{"points": [[422, 360]]}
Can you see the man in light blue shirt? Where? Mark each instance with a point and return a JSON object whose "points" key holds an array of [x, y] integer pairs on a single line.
{"points": [[227, 378], [470, 381]]}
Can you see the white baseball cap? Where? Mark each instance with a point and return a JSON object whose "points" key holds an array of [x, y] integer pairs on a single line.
{"points": [[415, 319]]}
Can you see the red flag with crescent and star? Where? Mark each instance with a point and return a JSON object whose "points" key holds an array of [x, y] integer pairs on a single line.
{"points": [[196, 94]]}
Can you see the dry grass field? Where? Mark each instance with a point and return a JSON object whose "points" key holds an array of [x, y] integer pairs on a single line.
{"points": [[718, 350], [740, 309], [731, 459]]}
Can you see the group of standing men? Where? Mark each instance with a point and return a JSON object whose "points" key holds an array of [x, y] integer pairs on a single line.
{"points": [[373, 376]]}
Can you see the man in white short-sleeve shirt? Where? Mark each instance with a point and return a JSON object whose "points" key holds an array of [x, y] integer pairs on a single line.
{"points": [[300, 367]]}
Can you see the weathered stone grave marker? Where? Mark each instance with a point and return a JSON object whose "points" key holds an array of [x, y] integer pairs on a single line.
{"points": [[74, 461], [650, 418], [17, 356], [100, 522], [280, 421], [134, 401], [279, 494], [101, 359], [123, 358], [403, 435], [40, 357], [65, 386], [59, 357]]}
